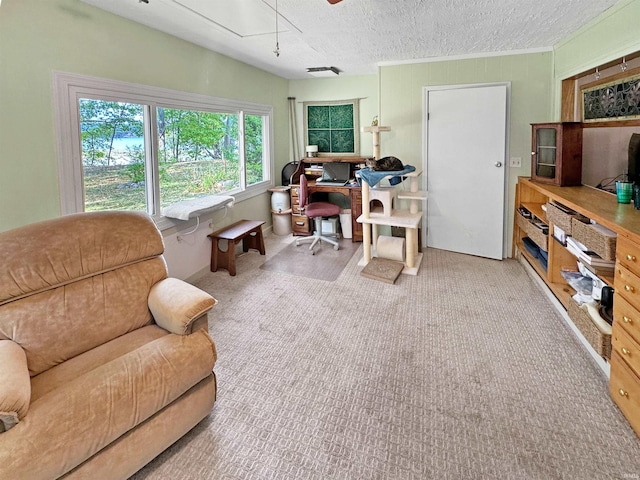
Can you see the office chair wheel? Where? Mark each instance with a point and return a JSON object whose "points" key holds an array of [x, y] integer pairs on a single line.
{"points": [[335, 247], [313, 252]]}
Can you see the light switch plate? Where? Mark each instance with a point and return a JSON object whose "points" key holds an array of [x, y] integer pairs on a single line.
{"points": [[515, 162]]}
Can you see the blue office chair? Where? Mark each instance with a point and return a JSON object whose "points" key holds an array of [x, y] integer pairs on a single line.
{"points": [[316, 211]]}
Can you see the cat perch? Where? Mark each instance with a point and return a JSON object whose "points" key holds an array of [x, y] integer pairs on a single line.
{"points": [[388, 215], [195, 207], [375, 131], [409, 219]]}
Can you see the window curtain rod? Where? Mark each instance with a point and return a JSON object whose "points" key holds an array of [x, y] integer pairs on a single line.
{"points": [[327, 102]]}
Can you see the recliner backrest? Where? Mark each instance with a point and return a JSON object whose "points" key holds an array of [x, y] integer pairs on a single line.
{"points": [[70, 284]]}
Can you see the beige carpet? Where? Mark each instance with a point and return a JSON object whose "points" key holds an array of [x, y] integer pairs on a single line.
{"points": [[464, 371], [325, 264]]}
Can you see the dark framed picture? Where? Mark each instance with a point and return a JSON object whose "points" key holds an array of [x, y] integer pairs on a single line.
{"points": [[615, 100], [333, 127]]}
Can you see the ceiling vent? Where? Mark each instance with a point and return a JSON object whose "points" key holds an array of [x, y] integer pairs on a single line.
{"points": [[323, 71]]}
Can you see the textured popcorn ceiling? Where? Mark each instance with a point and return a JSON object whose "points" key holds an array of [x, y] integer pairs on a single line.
{"points": [[358, 35]]}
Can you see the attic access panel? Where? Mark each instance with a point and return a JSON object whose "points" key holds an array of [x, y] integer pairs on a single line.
{"points": [[333, 126]]}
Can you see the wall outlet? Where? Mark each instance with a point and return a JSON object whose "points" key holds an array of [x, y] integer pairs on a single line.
{"points": [[515, 162]]}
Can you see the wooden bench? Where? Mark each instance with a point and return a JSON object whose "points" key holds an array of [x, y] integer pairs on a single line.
{"points": [[249, 231]]}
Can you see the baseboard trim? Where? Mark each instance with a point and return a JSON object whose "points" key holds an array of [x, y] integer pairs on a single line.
{"points": [[601, 362]]}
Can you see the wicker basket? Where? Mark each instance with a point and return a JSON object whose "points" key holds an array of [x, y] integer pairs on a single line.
{"points": [[594, 239], [600, 341], [560, 218], [533, 232]]}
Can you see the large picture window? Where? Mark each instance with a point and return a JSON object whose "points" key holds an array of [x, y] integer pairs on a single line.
{"points": [[130, 147]]}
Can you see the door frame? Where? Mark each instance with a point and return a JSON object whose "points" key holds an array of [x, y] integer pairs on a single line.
{"points": [[505, 163]]}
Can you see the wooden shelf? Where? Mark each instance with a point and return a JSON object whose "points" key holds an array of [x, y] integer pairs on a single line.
{"points": [[534, 262], [321, 159], [601, 206], [563, 292], [536, 209], [624, 220]]}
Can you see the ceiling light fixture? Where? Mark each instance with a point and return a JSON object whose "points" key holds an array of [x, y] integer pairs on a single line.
{"points": [[596, 75], [323, 71], [623, 65], [277, 50]]}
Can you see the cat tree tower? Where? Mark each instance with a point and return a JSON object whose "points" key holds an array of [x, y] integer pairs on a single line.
{"points": [[409, 219]]}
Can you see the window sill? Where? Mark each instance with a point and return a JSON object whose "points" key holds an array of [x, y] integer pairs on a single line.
{"points": [[170, 225]]}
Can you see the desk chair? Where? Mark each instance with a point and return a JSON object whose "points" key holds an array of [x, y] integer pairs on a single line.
{"points": [[316, 210]]}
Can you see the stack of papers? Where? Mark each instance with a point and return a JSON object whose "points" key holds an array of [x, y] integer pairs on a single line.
{"points": [[587, 256]]}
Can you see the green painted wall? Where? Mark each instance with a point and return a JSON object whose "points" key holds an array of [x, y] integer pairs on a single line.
{"points": [[37, 37], [364, 87], [610, 36], [401, 99]]}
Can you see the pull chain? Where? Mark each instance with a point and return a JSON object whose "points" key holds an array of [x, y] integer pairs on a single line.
{"points": [[277, 50]]}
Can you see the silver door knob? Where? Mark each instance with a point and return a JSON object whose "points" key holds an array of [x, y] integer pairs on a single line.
{"points": [[498, 164]]}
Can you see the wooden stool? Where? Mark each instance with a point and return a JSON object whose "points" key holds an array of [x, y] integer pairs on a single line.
{"points": [[248, 231]]}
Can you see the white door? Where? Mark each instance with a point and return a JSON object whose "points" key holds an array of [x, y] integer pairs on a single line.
{"points": [[466, 142]]}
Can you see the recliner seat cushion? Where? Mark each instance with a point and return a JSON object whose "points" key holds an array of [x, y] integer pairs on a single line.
{"points": [[96, 408], [75, 367]]}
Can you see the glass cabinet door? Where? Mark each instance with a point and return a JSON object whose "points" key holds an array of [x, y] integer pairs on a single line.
{"points": [[545, 154], [556, 153]]}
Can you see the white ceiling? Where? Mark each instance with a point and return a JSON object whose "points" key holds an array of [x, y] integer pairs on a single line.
{"points": [[356, 36]]}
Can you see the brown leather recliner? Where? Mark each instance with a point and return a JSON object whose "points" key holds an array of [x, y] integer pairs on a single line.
{"points": [[104, 361]]}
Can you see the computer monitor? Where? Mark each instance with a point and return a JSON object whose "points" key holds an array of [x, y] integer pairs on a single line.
{"points": [[336, 171], [634, 158]]}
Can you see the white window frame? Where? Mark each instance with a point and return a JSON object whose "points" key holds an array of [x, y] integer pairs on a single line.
{"points": [[68, 88]]}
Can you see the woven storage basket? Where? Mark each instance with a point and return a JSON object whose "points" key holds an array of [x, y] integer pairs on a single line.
{"points": [[594, 240], [532, 232], [560, 218], [601, 342]]}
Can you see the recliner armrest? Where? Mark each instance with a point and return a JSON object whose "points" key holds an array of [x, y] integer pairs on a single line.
{"points": [[15, 385], [176, 305]]}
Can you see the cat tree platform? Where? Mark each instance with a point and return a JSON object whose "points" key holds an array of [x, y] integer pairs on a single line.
{"points": [[409, 219]]}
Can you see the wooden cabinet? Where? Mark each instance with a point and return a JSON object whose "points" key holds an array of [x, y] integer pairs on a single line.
{"points": [[624, 220], [625, 357], [356, 211], [556, 153], [300, 224]]}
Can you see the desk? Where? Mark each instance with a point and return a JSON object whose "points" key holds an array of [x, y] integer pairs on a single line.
{"points": [[299, 222]]}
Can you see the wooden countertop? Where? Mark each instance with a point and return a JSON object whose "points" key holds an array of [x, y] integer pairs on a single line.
{"points": [[601, 206]]}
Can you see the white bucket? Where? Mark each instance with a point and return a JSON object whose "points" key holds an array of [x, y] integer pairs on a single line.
{"points": [[280, 199], [281, 222]]}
